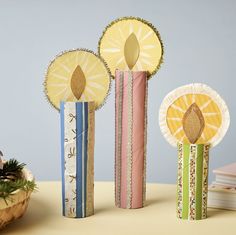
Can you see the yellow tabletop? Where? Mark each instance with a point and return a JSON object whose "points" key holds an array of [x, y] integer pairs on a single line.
{"points": [[157, 217]]}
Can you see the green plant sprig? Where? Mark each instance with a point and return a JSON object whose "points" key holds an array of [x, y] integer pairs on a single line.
{"points": [[11, 179], [12, 169]]}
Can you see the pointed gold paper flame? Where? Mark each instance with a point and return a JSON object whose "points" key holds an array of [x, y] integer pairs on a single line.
{"points": [[78, 82], [193, 123], [131, 50]]}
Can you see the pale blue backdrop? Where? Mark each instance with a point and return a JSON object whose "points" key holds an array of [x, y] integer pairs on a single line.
{"points": [[199, 38]]}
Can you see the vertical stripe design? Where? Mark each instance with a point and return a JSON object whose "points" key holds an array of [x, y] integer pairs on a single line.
{"points": [[82, 139], [90, 160], [85, 141], [205, 180], [70, 159], [62, 156], [145, 143], [185, 184], [130, 138], [119, 96], [77, 156], [192, 182], [129, 145], [199, 173], [82, 161], [180, 181]]}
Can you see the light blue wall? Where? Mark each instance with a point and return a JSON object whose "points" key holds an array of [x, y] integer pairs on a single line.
{"points": [[200, 46]]}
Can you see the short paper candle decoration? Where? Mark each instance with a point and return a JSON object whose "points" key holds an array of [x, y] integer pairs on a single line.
{"points": [[133, 50], [77, 83], [193, 118]]}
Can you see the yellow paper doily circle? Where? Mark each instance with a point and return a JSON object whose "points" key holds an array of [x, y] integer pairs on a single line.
{"points": [[112, 42], [57, 85], [212, 106]]}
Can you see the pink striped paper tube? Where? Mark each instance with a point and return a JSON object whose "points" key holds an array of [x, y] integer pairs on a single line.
{"points": [[130, 135]]}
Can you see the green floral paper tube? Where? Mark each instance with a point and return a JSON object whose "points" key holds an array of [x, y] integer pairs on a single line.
{"points": [[192, 181], [193, 117]]}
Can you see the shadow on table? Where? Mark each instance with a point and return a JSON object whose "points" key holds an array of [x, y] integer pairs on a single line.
{"points": [[150, 202], [159, 199], [104, 209], [33, 216], [217, 212]]}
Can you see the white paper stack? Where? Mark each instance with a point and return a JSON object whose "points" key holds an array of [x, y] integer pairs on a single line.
{"points": [[222, 192]]}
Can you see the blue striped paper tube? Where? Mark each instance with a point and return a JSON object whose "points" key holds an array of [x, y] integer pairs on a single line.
{"points": [[77, 156]]}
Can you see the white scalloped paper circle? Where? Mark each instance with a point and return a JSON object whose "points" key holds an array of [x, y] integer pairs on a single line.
{"points": [[195, 88]]}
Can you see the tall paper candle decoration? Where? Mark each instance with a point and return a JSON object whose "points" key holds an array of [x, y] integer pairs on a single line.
{"points": [[133, 50], [80, 81], [194, 118]]}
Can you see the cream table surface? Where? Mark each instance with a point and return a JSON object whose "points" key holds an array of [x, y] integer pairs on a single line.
{"points": [[157, 217]]}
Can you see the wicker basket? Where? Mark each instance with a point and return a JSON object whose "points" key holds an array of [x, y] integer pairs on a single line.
{"points": [[17, 205]]}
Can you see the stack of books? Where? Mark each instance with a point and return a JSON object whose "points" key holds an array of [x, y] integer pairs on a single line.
{"points": [[222, 191]]}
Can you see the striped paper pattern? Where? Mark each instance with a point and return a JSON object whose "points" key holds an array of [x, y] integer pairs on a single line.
{"points": [[130, 135], [77, 150], [192, 182]]}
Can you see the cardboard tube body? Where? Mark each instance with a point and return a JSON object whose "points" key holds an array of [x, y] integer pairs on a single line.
{"points": [[77, 155], [192, 183], [130, 152]]}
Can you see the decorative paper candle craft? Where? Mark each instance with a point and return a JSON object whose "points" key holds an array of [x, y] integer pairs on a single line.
{"points": [[77, 83], [193, 118], [133, 51]]}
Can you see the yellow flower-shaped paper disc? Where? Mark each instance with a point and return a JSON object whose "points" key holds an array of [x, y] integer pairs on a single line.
{"points": [[131, 38], [77, 75], [212, 107]]}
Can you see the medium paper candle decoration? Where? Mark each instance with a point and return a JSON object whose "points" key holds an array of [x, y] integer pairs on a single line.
{"points": [[77, 141], [193, 118], [133, 50], [77, 83]]}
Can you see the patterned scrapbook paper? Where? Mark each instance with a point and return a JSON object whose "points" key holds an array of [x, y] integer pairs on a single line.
{"points": [[77, 127], [130, 166], [192, 181]]}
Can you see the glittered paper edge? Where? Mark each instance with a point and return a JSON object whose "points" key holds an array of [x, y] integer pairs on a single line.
{"points": [[145, 143], [130, 141], [149, 75], [118, 143], [90, 160], [68, 51]]}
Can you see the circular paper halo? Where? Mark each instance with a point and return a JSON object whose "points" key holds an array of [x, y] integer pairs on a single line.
{"points": [[195, 88], [141, 21], [103, 65]]}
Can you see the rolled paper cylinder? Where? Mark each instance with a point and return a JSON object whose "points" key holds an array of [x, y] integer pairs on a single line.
{"points": [[77, 152], [192, 184], [130, 135]]}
